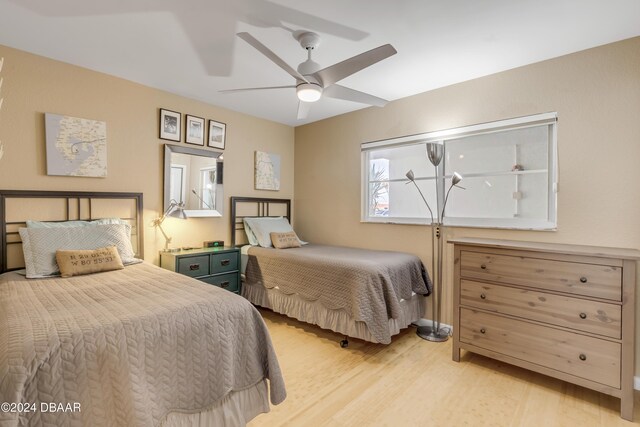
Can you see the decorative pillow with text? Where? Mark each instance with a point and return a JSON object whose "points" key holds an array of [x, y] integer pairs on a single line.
{"points": [[76, 263], [285, 240]]}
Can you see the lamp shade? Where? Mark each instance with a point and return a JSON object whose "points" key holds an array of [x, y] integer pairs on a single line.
{"points": [[410, 176], [176, 210], [456, 178], [435, 152]]}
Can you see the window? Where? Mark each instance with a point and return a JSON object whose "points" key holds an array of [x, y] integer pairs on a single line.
{"points": [[509, 171], [207, 188], [177, 175]]}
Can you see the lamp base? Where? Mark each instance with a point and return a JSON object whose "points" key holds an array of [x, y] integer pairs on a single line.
{"points": [[171, 250], [430, 334]]}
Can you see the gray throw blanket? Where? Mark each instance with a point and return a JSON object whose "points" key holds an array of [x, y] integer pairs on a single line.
{"points": [[368, 284], [128, 345]]}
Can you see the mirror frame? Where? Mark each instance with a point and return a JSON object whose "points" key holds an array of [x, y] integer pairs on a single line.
{"points": [[171, 148]]}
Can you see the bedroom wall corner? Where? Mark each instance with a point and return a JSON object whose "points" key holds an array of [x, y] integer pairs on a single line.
{"points": [[34, 85]]}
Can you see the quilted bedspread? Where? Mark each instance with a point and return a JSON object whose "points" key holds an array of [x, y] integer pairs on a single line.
{"points": [[129, 346], [368, 284]]}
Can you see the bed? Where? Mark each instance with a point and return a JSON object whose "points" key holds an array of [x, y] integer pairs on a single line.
{"points": [[365, 294], [138, 346]]}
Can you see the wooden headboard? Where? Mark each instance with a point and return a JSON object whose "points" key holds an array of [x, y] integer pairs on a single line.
{"points": [[18, 206], [243, 207]]}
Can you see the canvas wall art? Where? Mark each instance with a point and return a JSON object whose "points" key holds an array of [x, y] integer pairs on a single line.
{"points": [[267, 171], [75, 146]]}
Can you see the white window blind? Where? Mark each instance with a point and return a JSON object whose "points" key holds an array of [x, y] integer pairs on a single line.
{"points": [[509, 169]]}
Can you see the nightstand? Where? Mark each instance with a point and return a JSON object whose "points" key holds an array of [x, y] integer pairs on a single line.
{"points": [[215, 266]]}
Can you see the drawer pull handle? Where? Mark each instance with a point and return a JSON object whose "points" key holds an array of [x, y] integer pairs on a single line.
{"points": [[483, 296], [483, 266], [194, 267], [583, 279], [583, 315], [483, 330], [225, 262], [225, 284], [583, 357]]}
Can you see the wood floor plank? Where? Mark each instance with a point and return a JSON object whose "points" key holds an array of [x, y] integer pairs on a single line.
{"points": [[412, 382]]}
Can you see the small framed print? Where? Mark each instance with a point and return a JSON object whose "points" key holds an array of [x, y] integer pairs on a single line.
{"points": [[217, 134], [194, 130], [170, 125]]}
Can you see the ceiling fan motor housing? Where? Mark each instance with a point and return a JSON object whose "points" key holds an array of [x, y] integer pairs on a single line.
{"points": [[308, 67]]}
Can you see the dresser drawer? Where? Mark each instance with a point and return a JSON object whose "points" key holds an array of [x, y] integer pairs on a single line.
{"points": [[194, 266], [583, 315], [585, 357], [600, 281], [224, 281], [224, 262]]}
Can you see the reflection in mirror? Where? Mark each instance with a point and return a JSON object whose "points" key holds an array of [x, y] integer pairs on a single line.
{"points": [[194, 177]]}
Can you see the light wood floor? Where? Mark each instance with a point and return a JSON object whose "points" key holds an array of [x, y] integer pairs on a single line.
{"points": [[414, 383]]}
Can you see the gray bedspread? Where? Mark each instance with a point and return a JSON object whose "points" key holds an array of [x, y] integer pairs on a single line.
{"points": [[368, 284], [128, 345]]}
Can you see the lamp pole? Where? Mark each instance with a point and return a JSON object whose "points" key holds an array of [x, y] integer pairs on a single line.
{"points": [[433, 333]]}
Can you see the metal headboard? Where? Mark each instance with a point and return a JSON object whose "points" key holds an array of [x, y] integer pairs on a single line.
{"points": [[263, 207], [79, 206]]}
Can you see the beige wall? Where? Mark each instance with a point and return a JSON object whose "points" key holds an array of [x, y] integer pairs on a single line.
{"points": [[34, 85], [597, 96]]}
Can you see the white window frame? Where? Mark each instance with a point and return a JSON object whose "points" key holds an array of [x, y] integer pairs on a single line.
{"points": [[443, 136], [202, 202]]}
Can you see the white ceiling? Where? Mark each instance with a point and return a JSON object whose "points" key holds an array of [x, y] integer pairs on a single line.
{"points": [[189, 47]]}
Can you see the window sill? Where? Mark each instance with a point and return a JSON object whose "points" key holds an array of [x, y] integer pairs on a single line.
{"points": [[412, 221]]}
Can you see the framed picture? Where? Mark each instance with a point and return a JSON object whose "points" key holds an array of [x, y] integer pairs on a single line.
{"points": [[217, 134], [170, 125], [194, 130], [267, 171]]}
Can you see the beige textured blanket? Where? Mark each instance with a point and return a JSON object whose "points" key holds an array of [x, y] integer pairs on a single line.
{"points": [[128, 345], [367, 284]]}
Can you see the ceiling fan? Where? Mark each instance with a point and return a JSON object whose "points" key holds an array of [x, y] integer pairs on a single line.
{"points": [[312, 82]]}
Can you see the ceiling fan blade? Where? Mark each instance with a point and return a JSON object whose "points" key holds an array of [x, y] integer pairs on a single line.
{"points": [[341, 92], [336, 72], [272, 56], [303, 109], [255, 88]]}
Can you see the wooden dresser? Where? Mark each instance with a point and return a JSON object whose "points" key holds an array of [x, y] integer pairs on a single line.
{"points": [[562, 310]]}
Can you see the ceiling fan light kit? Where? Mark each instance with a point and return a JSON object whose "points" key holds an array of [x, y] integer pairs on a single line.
{"points": [[312, 82], [309, 92]]}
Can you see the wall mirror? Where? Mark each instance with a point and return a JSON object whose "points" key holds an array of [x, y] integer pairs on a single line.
{"points": [[194, 177]]}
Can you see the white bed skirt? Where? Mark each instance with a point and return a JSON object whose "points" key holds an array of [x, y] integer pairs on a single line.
{"points": [[236, 409], [336, 320]]}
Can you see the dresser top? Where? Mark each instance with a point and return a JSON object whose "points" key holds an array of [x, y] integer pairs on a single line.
{"points": [[199, 251], [599, 251]]}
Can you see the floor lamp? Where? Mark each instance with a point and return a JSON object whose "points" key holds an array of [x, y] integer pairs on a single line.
{"points": [[434, 333]]}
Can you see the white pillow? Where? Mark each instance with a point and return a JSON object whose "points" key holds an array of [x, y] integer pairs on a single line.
{"points": [[264, 226], [62, 224], [40, 244], [251, 237], [78, 223]]}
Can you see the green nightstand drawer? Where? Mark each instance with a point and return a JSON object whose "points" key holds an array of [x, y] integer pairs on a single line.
{"points": [[224, 281], [224, 262], [194, 266]]}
